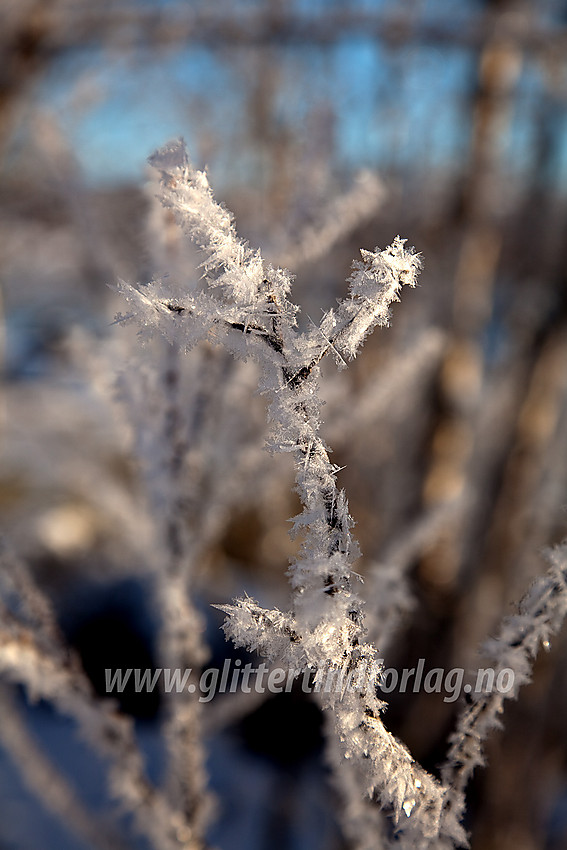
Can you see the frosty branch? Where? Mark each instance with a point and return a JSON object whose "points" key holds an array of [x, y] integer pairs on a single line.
{"points": [[541, 614], [245, 304], [33, 654]]}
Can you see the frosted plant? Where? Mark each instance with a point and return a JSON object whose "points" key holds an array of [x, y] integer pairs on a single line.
{"points": [[541, 614], [162, 441], [244, 305], [32, 653], [185, 437], [47, 782], [389, 800]]}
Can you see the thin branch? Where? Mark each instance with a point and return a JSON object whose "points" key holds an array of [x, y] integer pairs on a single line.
{"points": [[541, 614]]}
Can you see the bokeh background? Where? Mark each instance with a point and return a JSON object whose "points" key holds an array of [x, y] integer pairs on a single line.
{"points": [[325, 127]]}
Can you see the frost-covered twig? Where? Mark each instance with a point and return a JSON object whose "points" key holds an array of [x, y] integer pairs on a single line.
{"points": [[47, 783], [181, 631], [328, 645], [163, 424], [541, 614], [184, 437], [50, 671], [22, 660], [246, 305], [26, 602]]}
